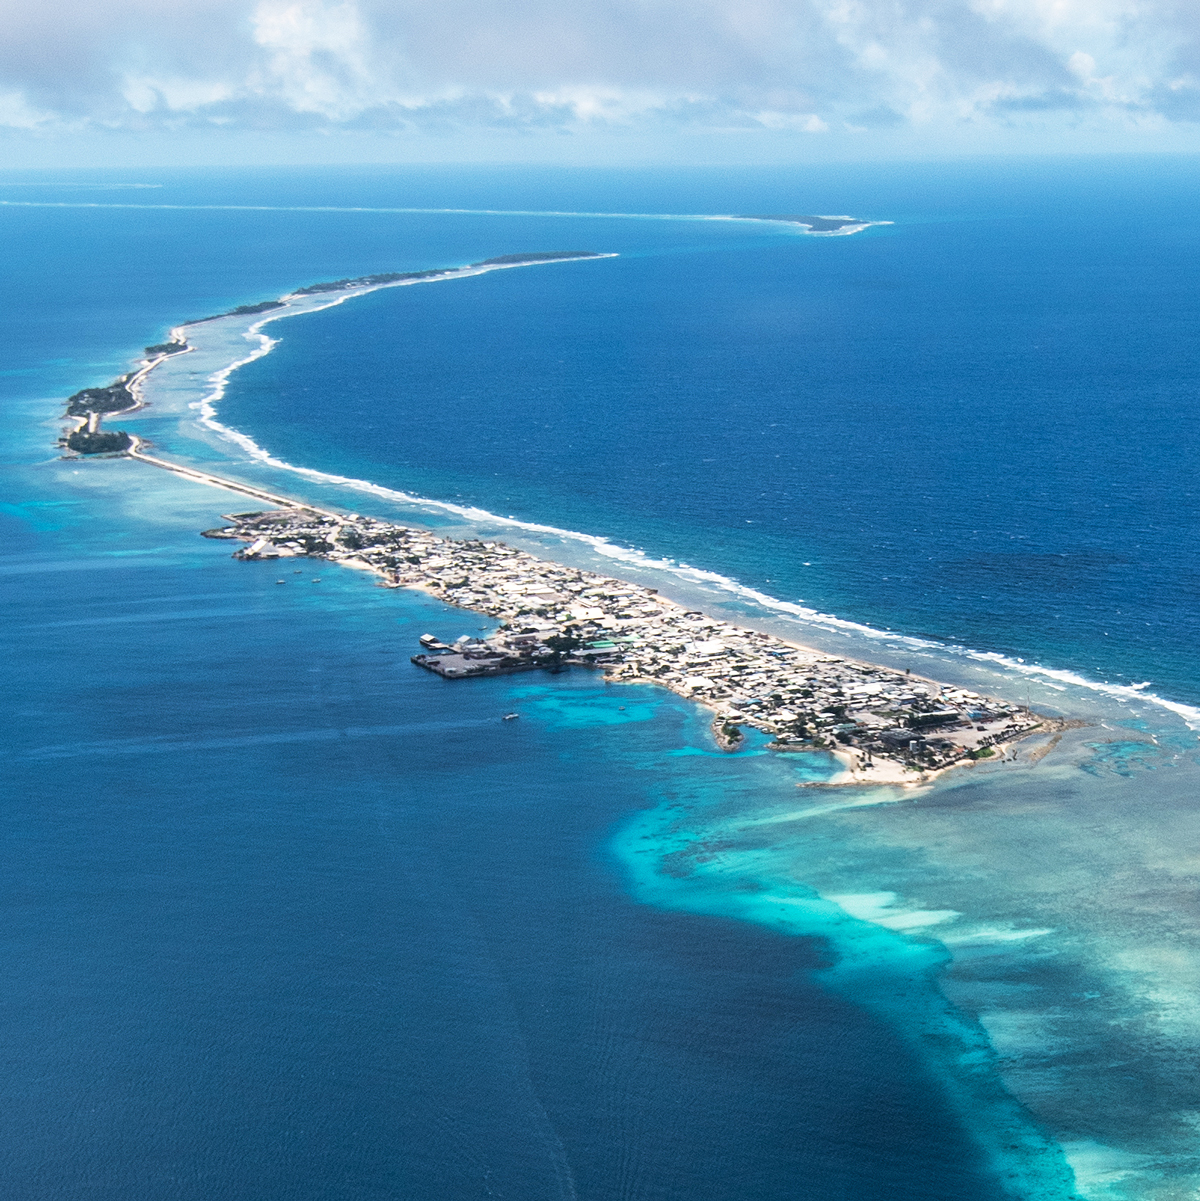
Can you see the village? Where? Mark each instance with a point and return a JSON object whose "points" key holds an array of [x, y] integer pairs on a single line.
{"points": [[883, 725]]}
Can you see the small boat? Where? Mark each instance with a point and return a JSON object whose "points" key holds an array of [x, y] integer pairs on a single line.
{"points": [[281, 581], [511, 716]]}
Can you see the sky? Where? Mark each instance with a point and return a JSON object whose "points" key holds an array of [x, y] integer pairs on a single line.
{"points": [[126, 81]]}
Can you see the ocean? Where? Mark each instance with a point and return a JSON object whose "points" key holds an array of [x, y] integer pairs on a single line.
{"points": [[288, 917]]}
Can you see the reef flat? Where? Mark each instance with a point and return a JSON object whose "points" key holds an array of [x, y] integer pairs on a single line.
{"points": [[814, 224], [123, 395], [884, 725]]}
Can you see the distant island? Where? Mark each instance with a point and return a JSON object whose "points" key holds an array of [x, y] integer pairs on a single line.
{"points": [[87, 438], [545, 256], [242, 310], [367, 281], [114, 398], [99, 442], [248, 310], [120, 395], [395, 277], [175, 346], [816, 225], [89, 405]]}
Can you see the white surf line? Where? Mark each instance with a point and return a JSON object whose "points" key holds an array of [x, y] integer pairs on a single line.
{"points": [[1190, 714], [857, 225], [206, 404], [332, 208], [221, 378]]}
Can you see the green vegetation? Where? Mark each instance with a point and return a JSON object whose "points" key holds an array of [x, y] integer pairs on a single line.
{"points": [[366, 281], [104, 442], [543, 256], [112, 399], [983, 752], [243, 310], [395, 277], [564, 644], [165, 348], [247, 310]]}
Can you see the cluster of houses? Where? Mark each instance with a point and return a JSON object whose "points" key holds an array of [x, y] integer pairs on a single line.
{"points": [[551, 616]]}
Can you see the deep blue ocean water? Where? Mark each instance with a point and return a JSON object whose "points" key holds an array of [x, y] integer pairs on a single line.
{"points": [[285, 917]]}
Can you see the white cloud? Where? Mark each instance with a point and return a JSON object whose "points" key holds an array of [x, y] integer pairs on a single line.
{"points": [[317, 58], [145, 94], [15, 112], [790, 66], [804, 122]]}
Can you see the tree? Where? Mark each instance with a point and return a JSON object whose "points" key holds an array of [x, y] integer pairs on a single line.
{"points": [[563, 644]]}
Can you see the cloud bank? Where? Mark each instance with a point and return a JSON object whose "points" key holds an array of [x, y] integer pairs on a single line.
{"points": [[803, 67]]}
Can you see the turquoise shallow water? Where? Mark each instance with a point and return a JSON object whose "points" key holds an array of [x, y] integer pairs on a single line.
{"points": [[288, 915]]}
